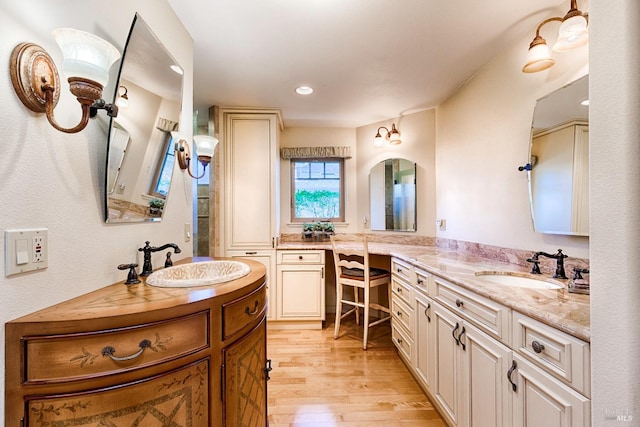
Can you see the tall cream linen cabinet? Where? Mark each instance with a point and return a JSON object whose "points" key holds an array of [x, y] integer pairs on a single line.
{"points": [[250, 212]]}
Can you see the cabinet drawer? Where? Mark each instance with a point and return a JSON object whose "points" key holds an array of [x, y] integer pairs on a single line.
{"points": [[489, 316], [401, 290], [402, 313], [177, 398], [423, 281], [401, 269], [563, 356], [81, 356], [300, 257], [243, 314], [402, 341]]}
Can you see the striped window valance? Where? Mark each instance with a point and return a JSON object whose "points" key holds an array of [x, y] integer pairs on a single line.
{"points": [[166, 125], [315, 152]]}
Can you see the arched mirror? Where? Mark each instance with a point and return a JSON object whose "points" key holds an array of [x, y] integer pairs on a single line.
{"points": [[140, 154], [559, 159], [392, 195]]}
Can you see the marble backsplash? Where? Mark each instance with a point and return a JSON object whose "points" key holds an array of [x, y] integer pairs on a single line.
{"points": [[494, 253]]}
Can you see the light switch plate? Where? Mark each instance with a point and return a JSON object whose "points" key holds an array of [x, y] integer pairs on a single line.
{"points": [[25, 250], [187, 232]]}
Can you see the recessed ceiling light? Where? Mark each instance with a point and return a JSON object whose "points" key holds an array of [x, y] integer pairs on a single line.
{"points": [[177, 69], [304, 90]]}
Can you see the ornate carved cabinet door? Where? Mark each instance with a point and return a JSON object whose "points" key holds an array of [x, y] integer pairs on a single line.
{"points": [[178, 398], [245, 380]]}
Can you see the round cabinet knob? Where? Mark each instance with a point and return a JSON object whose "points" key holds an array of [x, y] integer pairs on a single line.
{"points": [[459, 303], [300, 257], [537, 347]]}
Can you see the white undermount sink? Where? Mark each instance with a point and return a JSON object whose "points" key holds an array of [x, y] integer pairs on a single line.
{"points": [[518, 280], [198, 274]]}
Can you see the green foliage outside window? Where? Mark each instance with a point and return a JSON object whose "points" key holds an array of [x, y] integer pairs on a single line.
{"points": [[317, 204]]}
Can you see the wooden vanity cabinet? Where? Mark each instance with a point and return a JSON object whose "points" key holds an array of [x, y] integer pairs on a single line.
{"points": [[138, 355]]}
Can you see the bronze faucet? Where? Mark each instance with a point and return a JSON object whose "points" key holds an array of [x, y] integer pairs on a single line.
{"points": [[147, 269], [559, 257]]}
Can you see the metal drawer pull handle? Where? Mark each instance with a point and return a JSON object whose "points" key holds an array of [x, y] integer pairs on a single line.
{"points": [[420, 281], [459, 303], [399, 290], [537, 347], [399, 270], [513, 367], [267, 369], [464, 346], [110, 351], [426, 312], [399, 313], [453, 333], [251, 253], [399, 340], [248, 311]]}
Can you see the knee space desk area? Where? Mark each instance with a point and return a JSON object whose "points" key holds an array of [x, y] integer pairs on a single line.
{"points": [[484, 352]]}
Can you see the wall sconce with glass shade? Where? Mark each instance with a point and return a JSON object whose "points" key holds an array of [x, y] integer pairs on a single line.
{"points": [[392, 136], [573, 33], [205, 146], [123, 97], [86, 62]]}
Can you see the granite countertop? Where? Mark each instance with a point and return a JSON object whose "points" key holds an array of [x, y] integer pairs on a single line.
{"points": [[559, 308]]}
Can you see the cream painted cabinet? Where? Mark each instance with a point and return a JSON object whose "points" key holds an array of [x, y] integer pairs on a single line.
{"points": [[268, 259], [447, 381], [424, 339], [301, 287], [251, 179], [487, 397], [250, 223], [469, 378], [484, 365], [402, 309], [541, 400]]}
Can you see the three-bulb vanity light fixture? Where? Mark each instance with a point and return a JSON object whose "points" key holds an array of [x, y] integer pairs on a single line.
{"points": [[205, 145], [86, 63], [573, 33], [392, 136]]}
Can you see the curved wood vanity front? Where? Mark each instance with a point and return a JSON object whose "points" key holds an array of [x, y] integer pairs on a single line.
{"points": [[142, 355]]}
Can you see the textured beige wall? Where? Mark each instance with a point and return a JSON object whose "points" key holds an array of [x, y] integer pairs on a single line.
{"points": [[614, 87]]}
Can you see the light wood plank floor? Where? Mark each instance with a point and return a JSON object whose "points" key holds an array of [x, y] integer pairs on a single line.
{"points": [[321, 382]]}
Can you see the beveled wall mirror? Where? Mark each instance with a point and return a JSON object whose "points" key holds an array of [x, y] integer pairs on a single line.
{"points": [[140, 153], [559, 159], [392, 195]]}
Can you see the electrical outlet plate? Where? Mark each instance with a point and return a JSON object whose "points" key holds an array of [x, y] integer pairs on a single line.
{"points": [[25, 250]]}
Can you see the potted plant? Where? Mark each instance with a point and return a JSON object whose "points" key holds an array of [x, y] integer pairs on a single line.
{"points": [[328, 229], [318, 231], [156, 206], [307, 231]]}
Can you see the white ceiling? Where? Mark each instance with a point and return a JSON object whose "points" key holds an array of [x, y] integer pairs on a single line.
{"points": [[368, 60]]}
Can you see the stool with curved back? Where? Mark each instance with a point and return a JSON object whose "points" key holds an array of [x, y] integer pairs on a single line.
{"points": [[351, 259]]}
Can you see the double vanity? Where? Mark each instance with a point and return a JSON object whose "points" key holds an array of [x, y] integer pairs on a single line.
{"points": [[491, 344]]}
